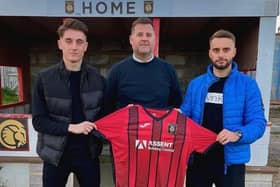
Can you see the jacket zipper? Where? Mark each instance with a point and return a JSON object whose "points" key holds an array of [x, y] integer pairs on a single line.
{"points": [[225, 164]]}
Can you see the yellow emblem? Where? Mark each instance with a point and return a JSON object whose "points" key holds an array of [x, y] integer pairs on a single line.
{"points": [[148, 7], [12, 134], [69, 6]]}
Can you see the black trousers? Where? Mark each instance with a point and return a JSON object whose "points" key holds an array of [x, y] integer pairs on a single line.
{"points": [[86, 170], [198, 176]]}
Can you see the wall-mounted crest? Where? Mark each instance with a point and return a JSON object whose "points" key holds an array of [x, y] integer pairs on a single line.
{"points": [[148, 7], [69, 6]]}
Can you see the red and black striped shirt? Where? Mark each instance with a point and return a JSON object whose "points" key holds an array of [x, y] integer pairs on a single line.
{"points": [[151, 147]]}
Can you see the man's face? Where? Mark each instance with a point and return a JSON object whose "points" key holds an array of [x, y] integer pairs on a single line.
{"points": [[73, 45], [221, 52], [142, 40]]}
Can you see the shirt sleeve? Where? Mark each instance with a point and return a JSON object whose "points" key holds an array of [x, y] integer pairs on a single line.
{"points": [[254, 120], [200, 137], [114, 124]]}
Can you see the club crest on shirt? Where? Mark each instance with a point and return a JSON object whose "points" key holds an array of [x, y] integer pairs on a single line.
{"points": [[172, 128]]}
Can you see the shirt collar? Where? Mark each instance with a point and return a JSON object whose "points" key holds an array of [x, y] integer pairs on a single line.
{"points": [[141, 61]]}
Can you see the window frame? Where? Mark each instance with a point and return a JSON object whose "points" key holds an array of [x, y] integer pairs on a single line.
{"points": [[21, 97]]}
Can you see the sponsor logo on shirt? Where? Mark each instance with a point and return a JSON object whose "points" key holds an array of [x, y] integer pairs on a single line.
{"points": [[154, 145], [144, 125], [214, 98]]}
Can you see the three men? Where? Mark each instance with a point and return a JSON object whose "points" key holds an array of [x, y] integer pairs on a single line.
{"points": [[69, 95]]}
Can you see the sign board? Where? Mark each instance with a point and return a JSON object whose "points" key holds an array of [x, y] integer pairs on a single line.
{"points": [[17, 136], [139, 8]]}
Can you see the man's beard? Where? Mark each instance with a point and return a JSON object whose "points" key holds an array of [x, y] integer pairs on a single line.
{"points": [[222, 67]]}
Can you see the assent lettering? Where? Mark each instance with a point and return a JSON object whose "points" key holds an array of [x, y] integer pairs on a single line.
{"points": [[160, 144]]}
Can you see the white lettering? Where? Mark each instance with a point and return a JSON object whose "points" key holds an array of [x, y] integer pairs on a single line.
{"points": [[214, 98], [154, 145]]}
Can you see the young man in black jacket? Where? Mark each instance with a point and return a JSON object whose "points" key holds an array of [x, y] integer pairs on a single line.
{"points": [[67, 98]]}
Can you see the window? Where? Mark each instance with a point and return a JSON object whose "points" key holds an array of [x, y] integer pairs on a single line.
{"points": [[11, 85]]}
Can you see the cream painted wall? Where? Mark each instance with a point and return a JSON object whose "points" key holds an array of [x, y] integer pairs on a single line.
{"points": [[278, 24]]}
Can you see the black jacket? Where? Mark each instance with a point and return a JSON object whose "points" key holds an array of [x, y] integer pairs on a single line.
{"points": [[51, 108]]}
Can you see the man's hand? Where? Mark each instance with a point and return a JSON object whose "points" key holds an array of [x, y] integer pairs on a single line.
{"points": [[84, 127], [226, 136], [178, 109]]}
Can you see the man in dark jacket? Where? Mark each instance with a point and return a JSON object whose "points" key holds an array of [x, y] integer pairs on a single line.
{"points": [[67, 98]]}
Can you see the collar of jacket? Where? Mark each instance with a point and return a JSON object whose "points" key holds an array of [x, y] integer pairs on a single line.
{"points": [[234, 70], [66, 73]]}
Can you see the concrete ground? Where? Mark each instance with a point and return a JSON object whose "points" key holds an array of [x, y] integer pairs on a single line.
{"points": [[106, 168], [274, 146], [106, 175]]}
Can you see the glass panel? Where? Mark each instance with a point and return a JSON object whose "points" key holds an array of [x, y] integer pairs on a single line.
{"points": [[9, 85]]}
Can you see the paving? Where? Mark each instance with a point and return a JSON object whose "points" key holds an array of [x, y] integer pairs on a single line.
{"points": [[274, 146]]}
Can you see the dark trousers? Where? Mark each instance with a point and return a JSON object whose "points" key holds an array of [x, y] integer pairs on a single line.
{"points": [[203, 177], [87, 172], [235, 176]]}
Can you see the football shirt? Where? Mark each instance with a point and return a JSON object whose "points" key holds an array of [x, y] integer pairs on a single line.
{"points": [[151, 147]]}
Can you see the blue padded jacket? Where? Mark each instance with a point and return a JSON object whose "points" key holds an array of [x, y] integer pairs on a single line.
{"points": [[242, 110]]}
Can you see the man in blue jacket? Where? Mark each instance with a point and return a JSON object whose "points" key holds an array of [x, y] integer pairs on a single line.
{"points": [[229, 103]]}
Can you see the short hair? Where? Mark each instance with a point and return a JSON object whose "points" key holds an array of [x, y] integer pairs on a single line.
{"points": [[141, 20], [70, 23], [222, 34]]}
